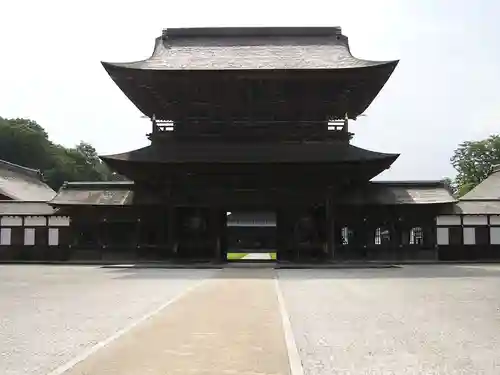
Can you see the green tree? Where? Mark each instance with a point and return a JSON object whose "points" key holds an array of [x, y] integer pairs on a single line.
{"points": [[473, 161], [26, 143], [450, 184]]}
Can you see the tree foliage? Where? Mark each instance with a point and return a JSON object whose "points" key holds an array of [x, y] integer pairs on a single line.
{"points": [[473, 161], [26, 143]]}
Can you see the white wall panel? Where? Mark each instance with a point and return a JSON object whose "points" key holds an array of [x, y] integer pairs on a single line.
{"points": [[5, 236], [58, 221], [475, 220], [11, 221], [29, 236], [469, 236], [495, 236], [53, 236], [443, 237], [495, 219], [448, 220], [35, 221]]}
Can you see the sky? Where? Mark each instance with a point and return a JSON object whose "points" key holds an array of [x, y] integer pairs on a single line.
{"points": [[445, 90]]}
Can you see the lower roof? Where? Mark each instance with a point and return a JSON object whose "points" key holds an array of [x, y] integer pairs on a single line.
{"points": [[249, 152], [400, 192], [374, 193], [488, 189], [23, 184]]}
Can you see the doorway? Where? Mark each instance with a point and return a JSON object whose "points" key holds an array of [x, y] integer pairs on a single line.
{"points": [[251, 236]]}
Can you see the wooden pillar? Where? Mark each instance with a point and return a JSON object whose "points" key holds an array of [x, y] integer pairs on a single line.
{"points": [[281, 236], [217, 228], [138, 237], [330, 230], [171, 240]]}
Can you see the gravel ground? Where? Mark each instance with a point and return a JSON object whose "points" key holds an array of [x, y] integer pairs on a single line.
{"points": [[438, 319], [49, 314], [434, 319]]}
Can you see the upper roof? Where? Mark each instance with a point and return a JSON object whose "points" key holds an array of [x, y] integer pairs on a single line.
{"points": [[230, 72], [24, 184], [237, 48]]}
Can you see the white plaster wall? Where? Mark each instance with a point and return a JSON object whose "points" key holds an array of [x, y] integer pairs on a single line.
{"points": [[495, 219], [469, 236], [29, 236], [475, 220], [35, 221], [495, 236], [443, 237], [448, 220], [58, 221], [11, 221], [53, 236], [5, 236]]}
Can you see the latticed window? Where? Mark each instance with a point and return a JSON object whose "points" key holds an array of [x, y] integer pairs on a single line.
{"points": [[416, 236], [346, 234], [382, 235], [378, 236]]}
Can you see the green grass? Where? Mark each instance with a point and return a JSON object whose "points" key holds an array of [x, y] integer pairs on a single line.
{"points": [[235, 256]]}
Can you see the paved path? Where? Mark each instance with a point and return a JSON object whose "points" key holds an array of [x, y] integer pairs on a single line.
{"points": [[229, 325], [257, 256]]}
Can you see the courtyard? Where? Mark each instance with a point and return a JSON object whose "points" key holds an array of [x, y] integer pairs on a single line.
{"points": [[419, 319]]}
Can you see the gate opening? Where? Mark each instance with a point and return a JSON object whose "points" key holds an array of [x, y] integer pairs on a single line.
{"points": [[251, 236]]}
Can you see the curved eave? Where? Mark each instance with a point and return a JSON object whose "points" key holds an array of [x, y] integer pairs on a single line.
{"points": [[150, 65], [147, 88], [242, 153], [360, 163]]}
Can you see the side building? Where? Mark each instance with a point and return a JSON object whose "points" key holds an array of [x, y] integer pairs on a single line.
{"points": [[470, 229], [30, 228]]}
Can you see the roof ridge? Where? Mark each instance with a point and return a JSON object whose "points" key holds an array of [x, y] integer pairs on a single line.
{"points": [[410, 182], [97, 184], [266, 31], [29, 172]]}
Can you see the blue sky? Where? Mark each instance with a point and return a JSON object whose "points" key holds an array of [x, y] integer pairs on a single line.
{"points": [[445, 90]]}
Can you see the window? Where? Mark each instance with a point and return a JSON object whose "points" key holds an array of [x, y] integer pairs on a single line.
{"points": [[346, 235], [382, 236], [416, 236], [378, 236], [456, 235]]}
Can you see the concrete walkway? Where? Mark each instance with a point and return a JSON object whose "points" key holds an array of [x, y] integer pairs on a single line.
{"points": [[227, 325], [257, 256]]}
